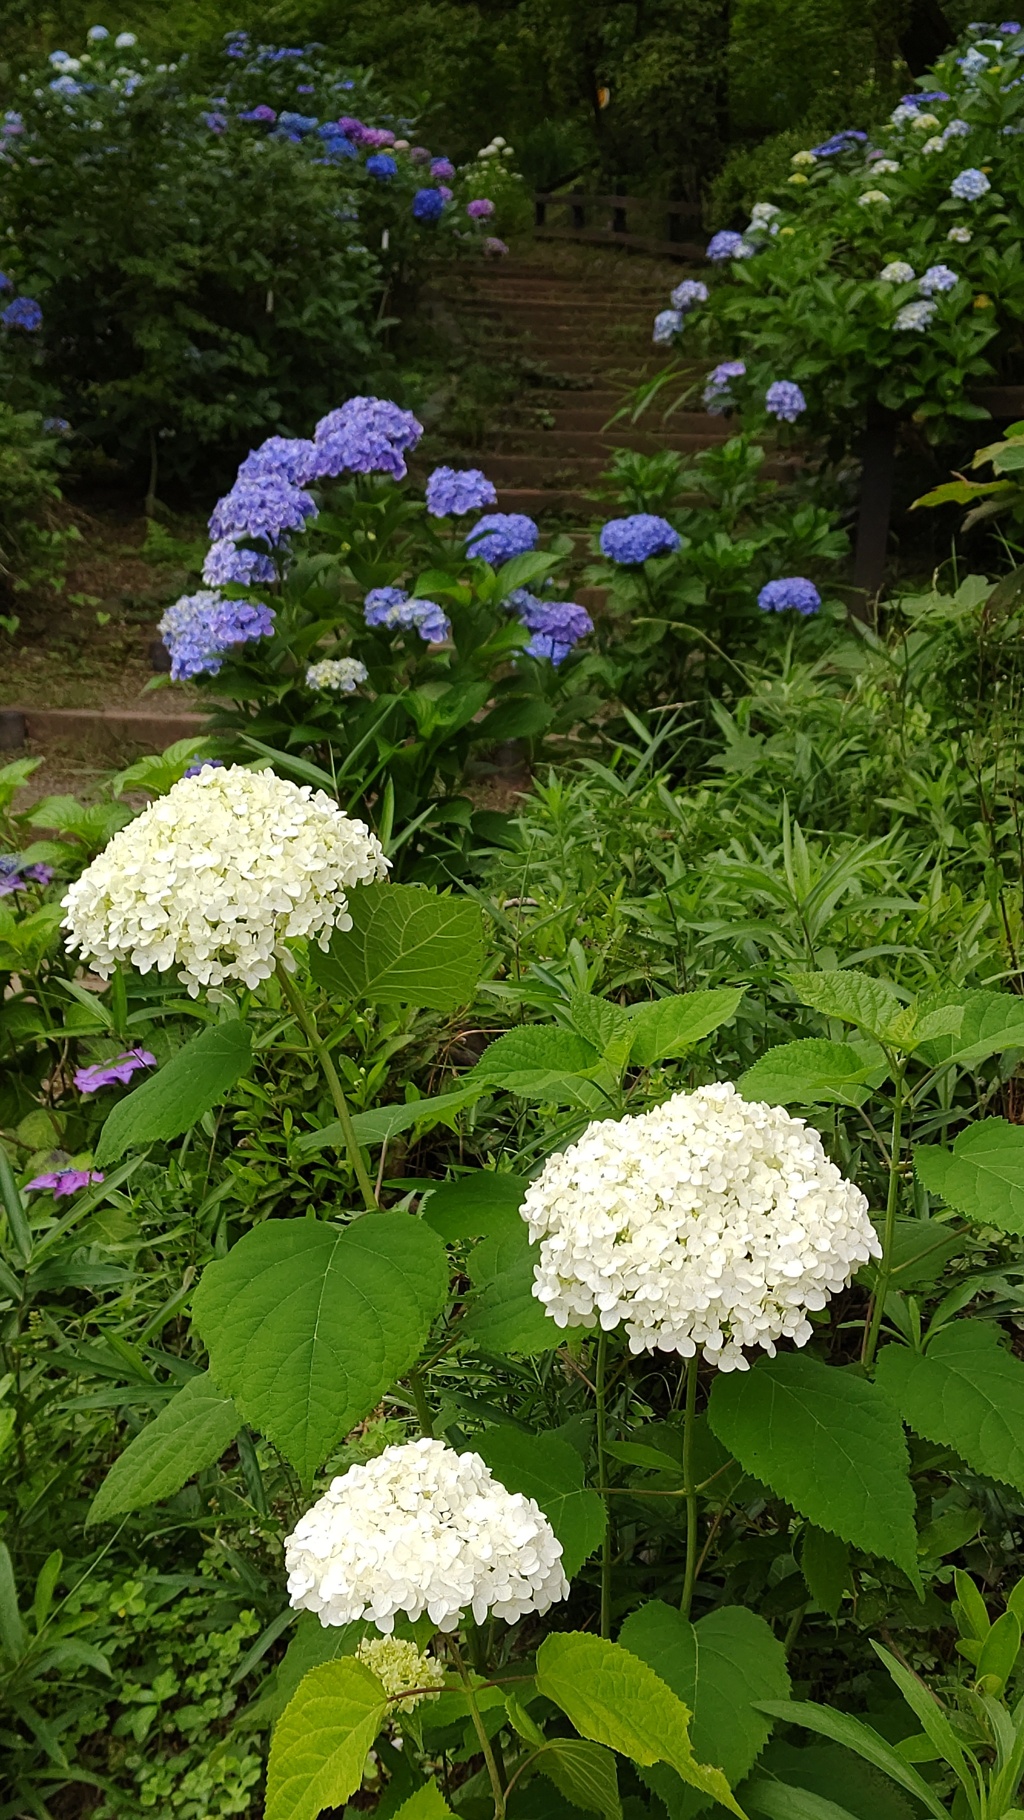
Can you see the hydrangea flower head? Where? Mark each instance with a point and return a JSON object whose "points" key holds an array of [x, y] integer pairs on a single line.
{"points": [[341, 673], [428, 205], [217, 875], [452, 491], [926, 123], [96, 34], [886, 167], [784, 400], [960, 236], [897, 272], [400, 1667], [717, 396], [443, 169], [726, 244], [66, 1181], [261, 505], [226, 565], [382, 166], [23, 313], [793, 592], [377, 137], [499, 536], [956, 129], [393, 607], [200, 629], [803, 159], [667, 325], [125, 41], [423, 1529], [969, 186], [871, 198], [291, 458], [366, 436], [493, 247], [709, 1224], [556, 625], [689, 294], [914, 316], [763, 215], [839, 142], [631, 541], [121, 1069], [263, 115], [480, 208], [936, 279]]}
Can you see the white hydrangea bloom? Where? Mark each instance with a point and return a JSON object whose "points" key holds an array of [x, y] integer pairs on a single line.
{"points": [[763, 214], [897, 272], [399, 1667], [803, 158], [885, 167], [926, 123], [707, 1224], [935, 144], [343, 673], [914, 316], [960, 236], [216, 875], [423, 1529], [870, 197]]}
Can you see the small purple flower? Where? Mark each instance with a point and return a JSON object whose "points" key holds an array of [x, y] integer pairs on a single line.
{"points": [[499, 536], [1010, 27], [919, 100], [428, 205], [839, 142], [40, 875], [791, 592], [217, 123], [226, 564], [201, 764], [377, 137], [452, 491], [23, 313], [392, 607], [784, 400], [262, 506], [444, 192], [936, 278], [305, 88], [493, 247], [687, 295], [718, 398], [121, 1069], [10, 878], [442, 167], [382, 166], [297, 123], [634, 540], [418, 154], [5, 283], [725, 245], [263, 115], [66, 1181], [480, 209]]}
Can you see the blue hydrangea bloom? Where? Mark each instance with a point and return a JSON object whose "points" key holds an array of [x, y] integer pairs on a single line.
{"points": [[791, 591], [200, 629], [428, 205], [784, 400], [634, 540], [687, 295], [97, 33], [297, 123], [452, 491], [393, 607], [936, 278], [66, 85], [217, 123], [382, 166], [726, 245], [266, 507], [366, 436], [499, 536], [294, 458], [23, 313], [919, 100], [718, 398], [969, 185], [667, 325], [226, 563], [5, 282], [839, 142], [263, 115], [556, 625], [200, 764]]}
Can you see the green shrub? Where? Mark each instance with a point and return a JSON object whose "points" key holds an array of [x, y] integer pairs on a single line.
{"points": [[32, 542]]}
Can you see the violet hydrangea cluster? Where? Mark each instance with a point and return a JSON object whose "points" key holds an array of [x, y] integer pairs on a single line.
{"points": [[634, 540], [727, 244], [784, 400], [969, 186], [717, 394], [936, 279], [790, 593], [556, 625], [393, 607], [366, 436], [200, 629], [689, 294], [24, 313], [452, 491], [667, 325], [292, 458], [226, 565], [499, 536], [262, 505]]}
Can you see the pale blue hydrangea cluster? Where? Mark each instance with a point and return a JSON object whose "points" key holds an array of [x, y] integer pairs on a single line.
{"points": [[226, 565], [392, 607], [897, 272], [792, 593], [915, 317], [366, 436], [784, 401], [292, 458], [499, 536], [265, 506], [727, 244], [634, 540], [689, 294], [453, 491], [936, 279], [969, 186], [556, 625], [717, 395], [667, 325], [200, 629], [343, 674]]}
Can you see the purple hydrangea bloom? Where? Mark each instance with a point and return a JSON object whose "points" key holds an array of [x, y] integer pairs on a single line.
{"points": [[10, 875], [366, 436], [418, 154], [784, 400], [452, 491], [264, 115], [499, 536], [352, 128], [200, 629], [428, 205], [201, 764], [40, 874], [493, 247], [442, 167], [725, 245], [226, 563], [377, 137], [919, 100], [480, 209], [793, 592], [294, 458], [393, 607], [967, 186], [5, 283], [23, 313], [216, 122], [263, 506], [634, 540], [66, 85], [839, 142], [556, 625], [936, 278], [718, 398], [66, 1181], [667, 325], [687, 295], [1011, 27], [382, 166], [104, 1074]]}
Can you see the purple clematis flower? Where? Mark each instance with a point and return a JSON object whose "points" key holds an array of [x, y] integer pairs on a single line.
{"points": [[66, 1181], [104, 1074]]}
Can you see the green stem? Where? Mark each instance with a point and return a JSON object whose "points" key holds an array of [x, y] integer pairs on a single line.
{"points": [[877, 1308], [602, 1474], [689, 1486], [305, 1019], [419, 1397], [481, 1731]]}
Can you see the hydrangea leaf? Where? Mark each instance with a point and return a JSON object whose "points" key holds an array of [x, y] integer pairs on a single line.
{"points": [[965, 1392], [504, 1315], [584, 1773], [992, 1022], [671, 1026], [828, 1442], [427, 1803], [825, 1565], [855, 998], [176, 1097], [544, 1467], [190, 1433], [718, 1667], [614, 1698], [536, 1063], [983, 1174], [476, 1204], [308, 1324], [406, 946], [320, 1743], [815, 1072], [381, 1123]]}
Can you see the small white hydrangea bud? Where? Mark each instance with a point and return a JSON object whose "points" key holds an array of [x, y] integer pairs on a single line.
{"points": [[709, 1224], [216, 875], [399, 1666], [423, 1529]]}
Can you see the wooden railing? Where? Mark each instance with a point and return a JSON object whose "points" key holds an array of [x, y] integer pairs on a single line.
{"points": [[625, 221]]}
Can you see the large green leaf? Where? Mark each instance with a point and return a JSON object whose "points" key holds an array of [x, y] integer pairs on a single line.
{"points": [[828, 1442], [406, 946], [843, 1729], [991, 1023], [174, 1099], [833, 1774], [504, 1315], [781, 1801], [308, 1324], [965, 1392], [584, 1773], [320, 1743], [483, 1202], [855, 998], [544, 1467], [382, 1123], [536, 1063], [815, 1072], [614, 1698], [427, 1803], [718, 1667], [190, 1433], [671, 1026], [983, 1174]]}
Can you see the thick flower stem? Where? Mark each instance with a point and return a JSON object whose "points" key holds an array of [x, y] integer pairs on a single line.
{"points": [[889, 1238], [602, 1479], [689, 1485], [305, 1019], [481, 1732]]}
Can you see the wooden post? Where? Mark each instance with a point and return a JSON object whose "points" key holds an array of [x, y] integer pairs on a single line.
{"points": [[579, 215], [878, 458], [540, 210]]}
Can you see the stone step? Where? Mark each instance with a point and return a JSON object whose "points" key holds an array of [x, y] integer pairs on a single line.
{"points": [[525, 468], [103, 731], [542, 502], [589, 444]]}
